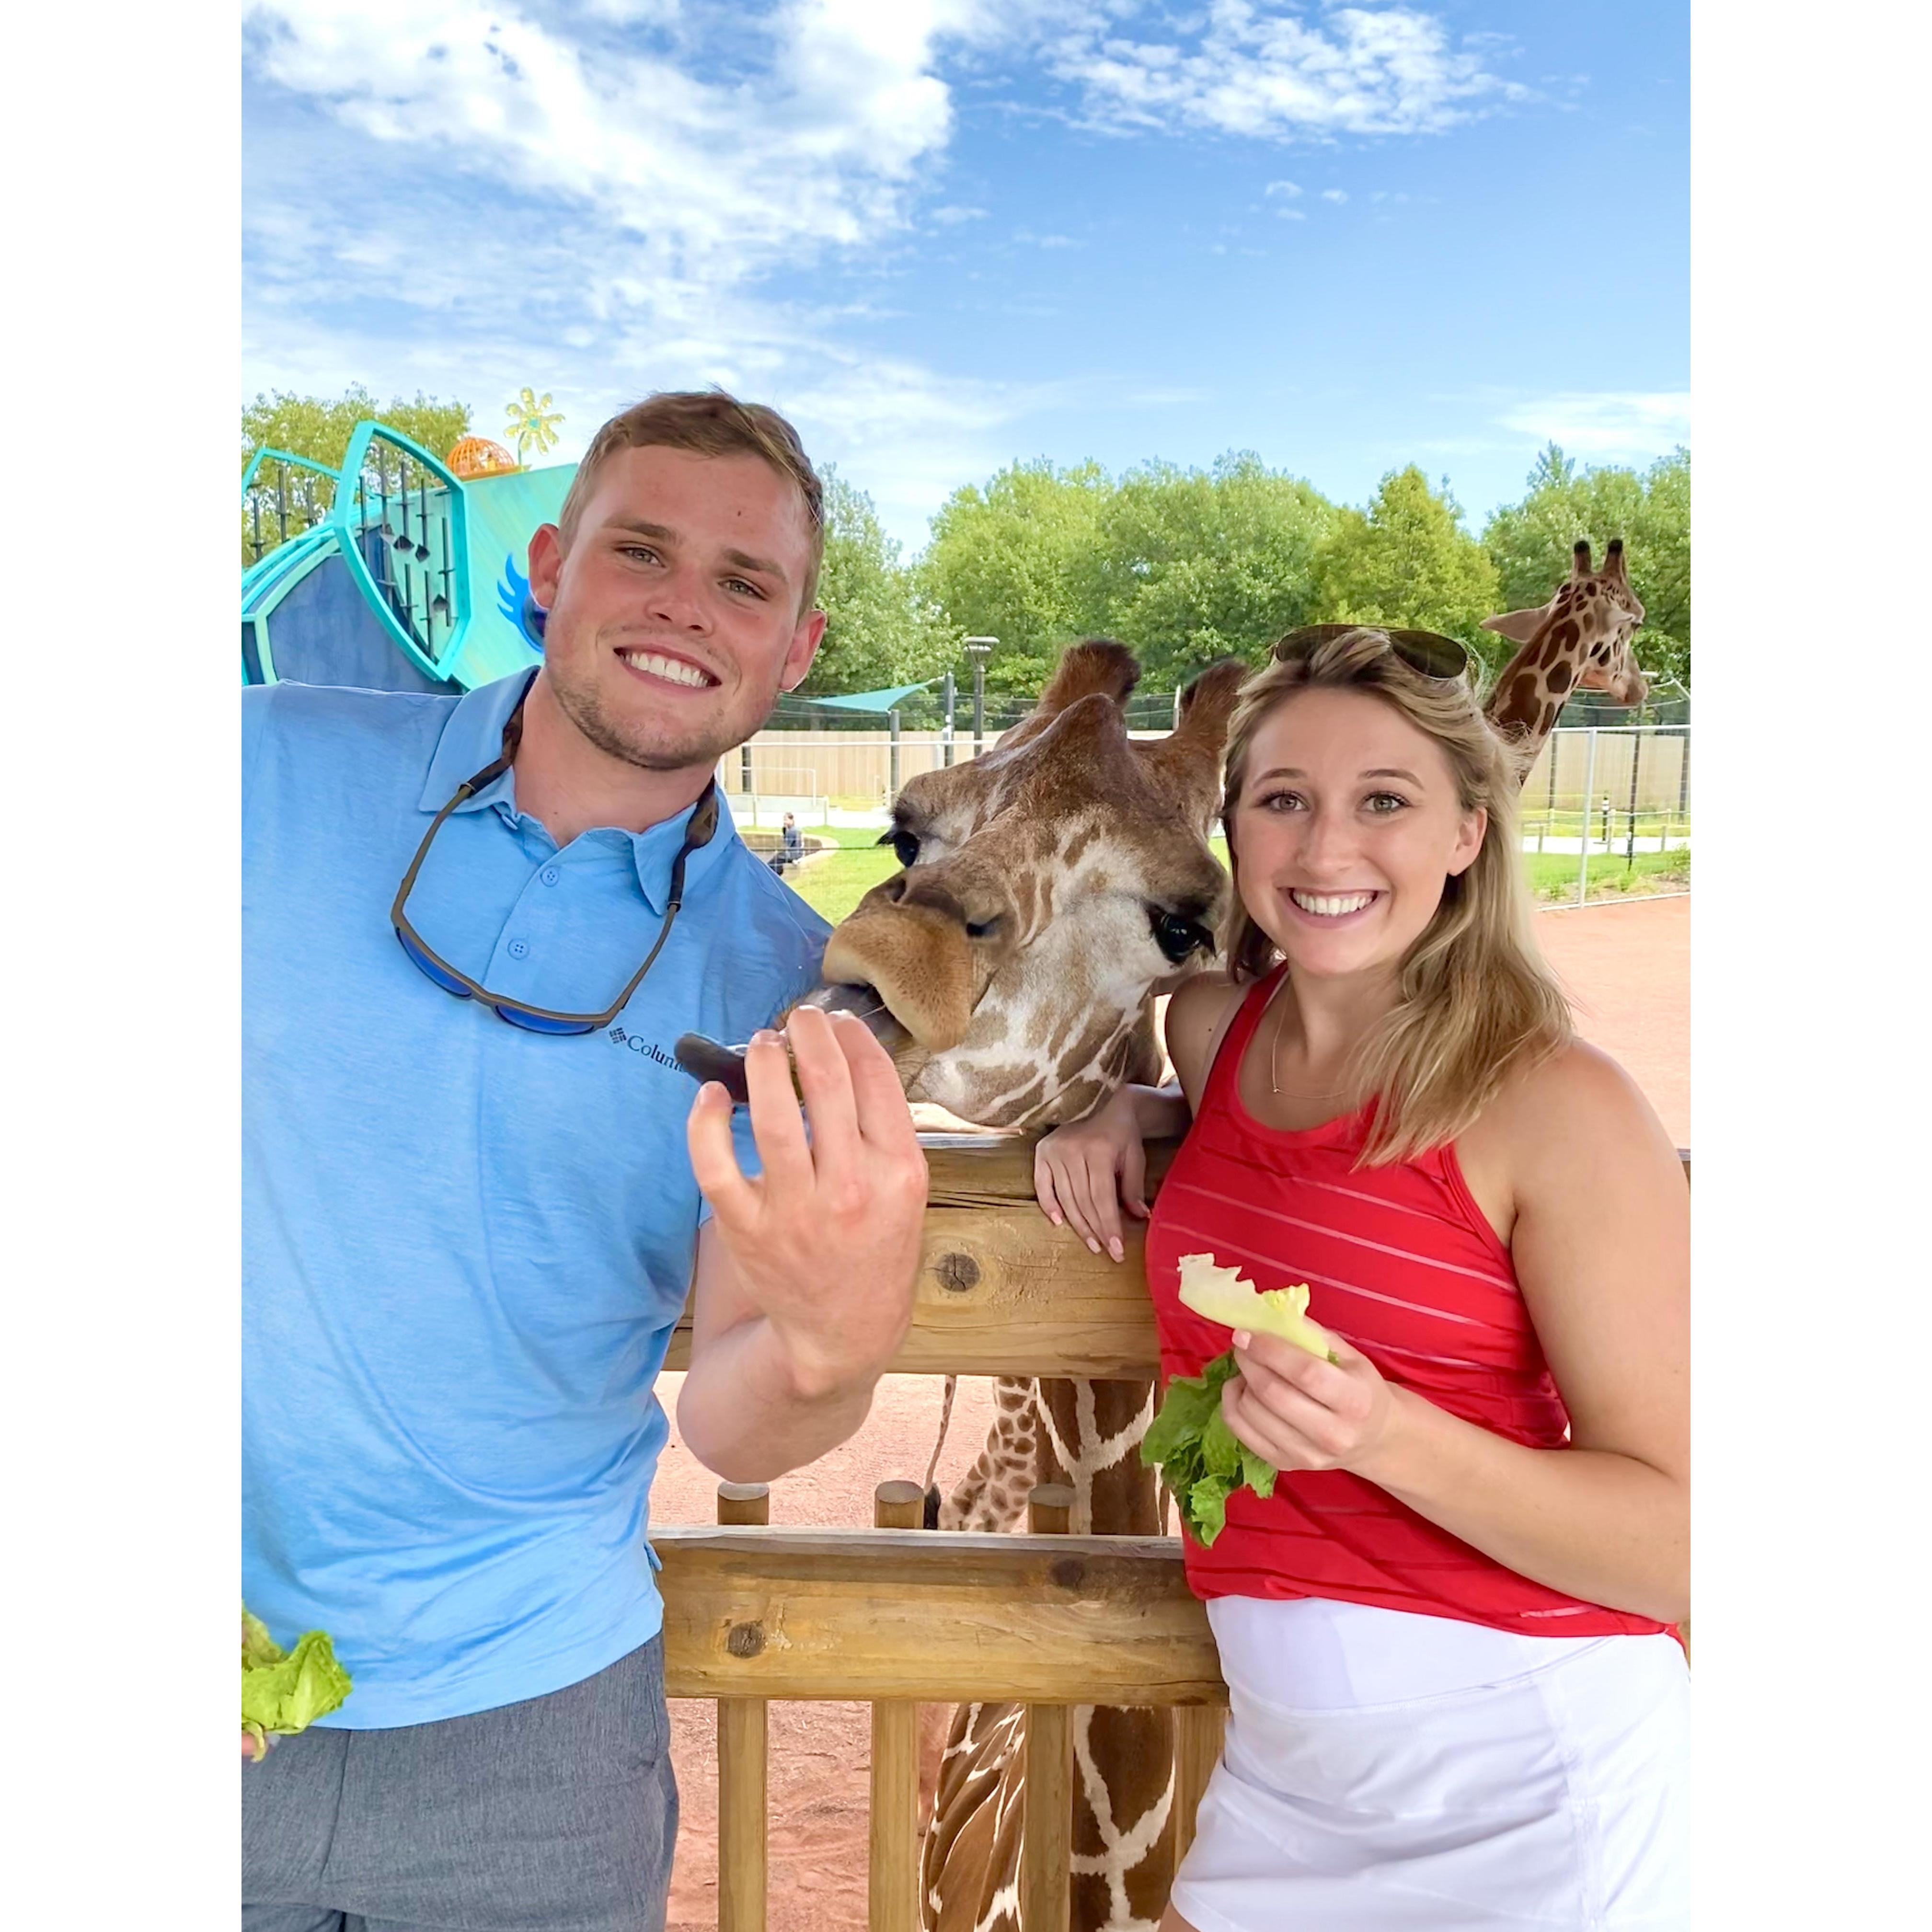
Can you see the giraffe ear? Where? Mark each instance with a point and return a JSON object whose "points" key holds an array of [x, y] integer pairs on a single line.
{"points": [[1190, 754], [1519, 626], [1095, 664], [1208, 703]]}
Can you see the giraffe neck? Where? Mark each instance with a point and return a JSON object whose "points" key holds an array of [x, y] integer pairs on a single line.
{"points": [[1123, 1758], [1087, 1435], [1537, 683]]}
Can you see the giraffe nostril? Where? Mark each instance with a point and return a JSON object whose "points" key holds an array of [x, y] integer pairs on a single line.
{"points": [[984, 929]]}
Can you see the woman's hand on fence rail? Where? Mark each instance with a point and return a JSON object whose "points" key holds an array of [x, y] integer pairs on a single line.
{"points": [[1086, 1172]]}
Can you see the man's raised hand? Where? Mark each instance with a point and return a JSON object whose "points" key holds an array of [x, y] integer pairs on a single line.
{"points": [[825, 1240]]}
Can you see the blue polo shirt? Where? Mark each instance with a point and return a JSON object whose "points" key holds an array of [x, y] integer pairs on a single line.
{"points": [[465, 1245]]}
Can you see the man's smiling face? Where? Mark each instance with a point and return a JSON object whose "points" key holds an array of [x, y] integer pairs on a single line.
{"points": [[674, 618]]}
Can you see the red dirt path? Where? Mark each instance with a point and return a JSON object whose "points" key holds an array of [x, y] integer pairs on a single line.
{"points": [[1627, 967]]}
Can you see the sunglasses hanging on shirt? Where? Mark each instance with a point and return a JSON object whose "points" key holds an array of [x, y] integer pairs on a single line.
{"points": [[519, 1012]]}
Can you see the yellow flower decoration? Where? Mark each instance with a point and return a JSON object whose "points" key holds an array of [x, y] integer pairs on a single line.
{"points": [[532, 421]]}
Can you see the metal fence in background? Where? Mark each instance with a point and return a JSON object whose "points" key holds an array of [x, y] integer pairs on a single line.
{"points": [[1613, 801], [1605, 807]]}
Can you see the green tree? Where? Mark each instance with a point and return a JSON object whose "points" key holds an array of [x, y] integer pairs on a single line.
{"points": [[1195, 564], [879, 630], [320, 428], [1018, 560], [1530, 543], [1406, 560], [1183, 566]]}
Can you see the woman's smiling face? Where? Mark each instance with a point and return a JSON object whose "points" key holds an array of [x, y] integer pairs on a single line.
{"points": [[1347, 827]]}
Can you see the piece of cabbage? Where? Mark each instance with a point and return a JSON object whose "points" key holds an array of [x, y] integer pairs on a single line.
{"points": [[284, 1692], [1224, 1295]]}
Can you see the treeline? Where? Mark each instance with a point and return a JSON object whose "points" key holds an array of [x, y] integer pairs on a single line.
{"points": [[1184, 565]]}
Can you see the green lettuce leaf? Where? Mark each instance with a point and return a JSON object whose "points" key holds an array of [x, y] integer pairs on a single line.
{"points": [[284, 1692], [1200, 1458]]}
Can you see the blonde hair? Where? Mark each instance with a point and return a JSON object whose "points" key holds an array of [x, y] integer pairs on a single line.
{"points": [[1477, 1005], [708, 422]]}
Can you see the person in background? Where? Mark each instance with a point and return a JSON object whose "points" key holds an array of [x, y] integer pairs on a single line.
{"points": [[791, 846], [466, 1242], [1456, 1696]]}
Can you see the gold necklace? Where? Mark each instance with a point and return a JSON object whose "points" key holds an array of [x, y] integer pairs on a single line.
{"points": [[1274, 1047]]}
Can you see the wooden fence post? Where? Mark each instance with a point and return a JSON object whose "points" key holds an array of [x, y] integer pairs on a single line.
{"points": [[892, 1878], [1046, 1832], [741, 1762]]}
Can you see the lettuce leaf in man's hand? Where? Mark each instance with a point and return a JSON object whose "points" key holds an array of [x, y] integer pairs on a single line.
{"points": [[284, 1692]]}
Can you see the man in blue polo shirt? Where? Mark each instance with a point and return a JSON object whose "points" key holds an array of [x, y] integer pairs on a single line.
{"points": [[467, 1241]]}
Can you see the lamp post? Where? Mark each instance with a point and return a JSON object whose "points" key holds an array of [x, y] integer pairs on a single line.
{"points": [[979, 650]]}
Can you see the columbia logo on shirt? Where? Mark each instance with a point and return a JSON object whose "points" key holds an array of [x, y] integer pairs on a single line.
{"points": [[637, 1043]]}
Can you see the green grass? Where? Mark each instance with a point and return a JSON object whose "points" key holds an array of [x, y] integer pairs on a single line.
{"points": [[1553, 875], [833, 885]]}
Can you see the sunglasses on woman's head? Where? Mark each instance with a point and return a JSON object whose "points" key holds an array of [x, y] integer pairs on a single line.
{"points": [[1433, 655]]}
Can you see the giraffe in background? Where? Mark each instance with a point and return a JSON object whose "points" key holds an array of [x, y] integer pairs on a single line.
{"points": [[1579, 641]]}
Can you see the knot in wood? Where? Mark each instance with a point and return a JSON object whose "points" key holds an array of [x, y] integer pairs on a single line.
{"points": [[957, 1272], [745, 1639], [1069, 1572]]}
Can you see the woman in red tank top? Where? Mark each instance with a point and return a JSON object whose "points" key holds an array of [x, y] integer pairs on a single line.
{"points": [[1455, 1698]]}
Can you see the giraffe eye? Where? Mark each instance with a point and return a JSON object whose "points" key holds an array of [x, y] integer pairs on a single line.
{"points": [[904, 846], [1178, 937]]}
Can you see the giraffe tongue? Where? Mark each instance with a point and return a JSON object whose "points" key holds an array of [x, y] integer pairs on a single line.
{"points": [[705, 1059]]}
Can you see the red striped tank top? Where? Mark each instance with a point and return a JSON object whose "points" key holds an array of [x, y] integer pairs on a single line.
{"points": [[1401, 1263]]}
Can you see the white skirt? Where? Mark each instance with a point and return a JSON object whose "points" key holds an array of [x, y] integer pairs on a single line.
{"points": [[1413, 1774]]}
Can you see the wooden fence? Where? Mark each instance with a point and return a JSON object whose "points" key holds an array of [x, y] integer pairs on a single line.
{"points": [[1639, 769], [897, 1616]]}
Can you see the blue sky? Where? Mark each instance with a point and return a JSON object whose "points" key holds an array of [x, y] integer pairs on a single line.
{"points": [[944, 235]]}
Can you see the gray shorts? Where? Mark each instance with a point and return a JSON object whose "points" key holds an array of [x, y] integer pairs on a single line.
{"points": [[554, 1815]]}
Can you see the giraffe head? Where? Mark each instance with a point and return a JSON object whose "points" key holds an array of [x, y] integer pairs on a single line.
{"points": [[1580, 640], [1049, 888]]}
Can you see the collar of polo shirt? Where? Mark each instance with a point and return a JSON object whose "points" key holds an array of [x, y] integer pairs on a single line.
{"points": [[473, 738]]}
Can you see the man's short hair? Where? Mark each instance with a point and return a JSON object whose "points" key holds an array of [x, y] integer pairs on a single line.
{"points": [[708, 422]]}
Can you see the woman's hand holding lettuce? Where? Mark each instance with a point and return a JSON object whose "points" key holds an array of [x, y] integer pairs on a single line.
{"points": [[1199, 1457]]}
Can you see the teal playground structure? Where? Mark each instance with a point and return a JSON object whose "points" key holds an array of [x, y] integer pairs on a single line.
{"points": [[392, 573]]}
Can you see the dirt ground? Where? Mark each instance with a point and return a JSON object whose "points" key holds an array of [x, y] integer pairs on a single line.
{"points": [[1627, 967]]}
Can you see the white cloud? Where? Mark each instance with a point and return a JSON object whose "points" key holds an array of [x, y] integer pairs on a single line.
{"points": [[818, 145], [601, 197], [1285, 188], [1246, 67], [1335, 194], [1605, 422]]}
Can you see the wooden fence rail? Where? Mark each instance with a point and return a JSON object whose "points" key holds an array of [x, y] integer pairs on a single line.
{"points": [[1046, 1619]]}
